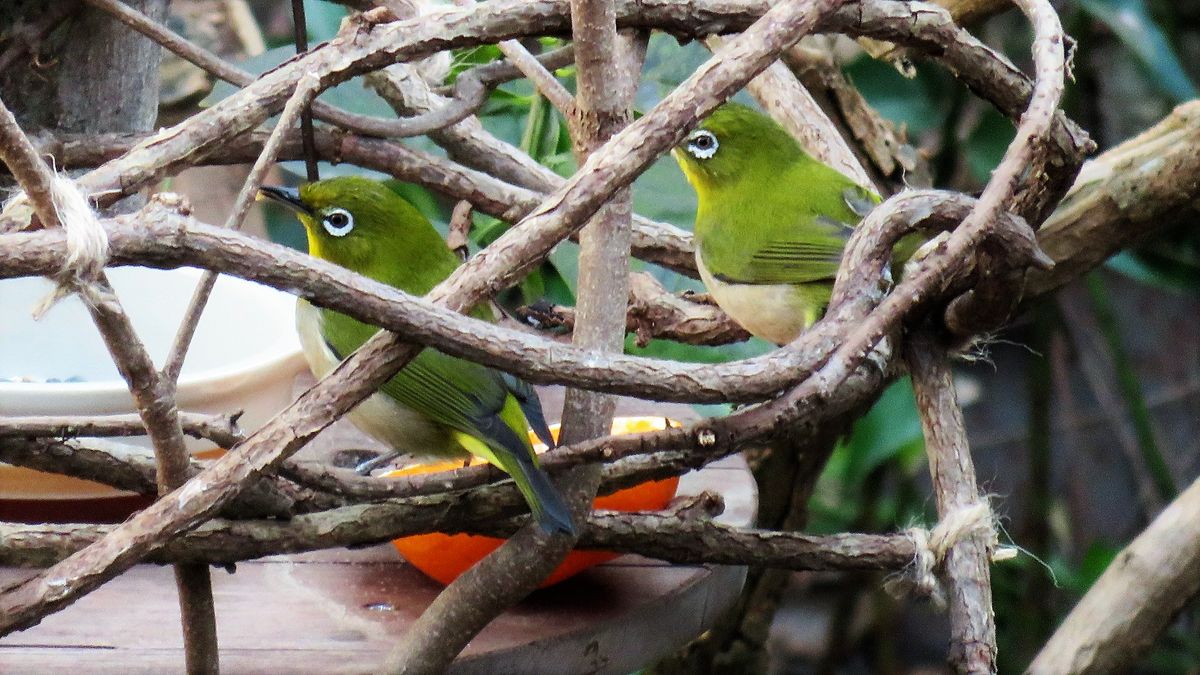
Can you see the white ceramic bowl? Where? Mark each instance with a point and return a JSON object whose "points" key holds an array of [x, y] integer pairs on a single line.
{"points": [[245, 355]]}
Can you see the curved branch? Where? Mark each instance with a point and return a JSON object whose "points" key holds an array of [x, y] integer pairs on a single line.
{"points": [[165, 238], [365, 47]]}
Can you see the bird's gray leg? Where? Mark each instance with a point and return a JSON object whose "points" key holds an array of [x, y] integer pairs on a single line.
{"points": [[365, 468]]}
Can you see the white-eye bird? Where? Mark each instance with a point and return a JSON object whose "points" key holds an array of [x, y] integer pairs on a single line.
{"points": [[771, 221], [437, 405]]}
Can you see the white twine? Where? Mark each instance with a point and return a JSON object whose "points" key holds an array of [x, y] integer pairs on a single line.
{"points": [[932, 546], [87, 242]]}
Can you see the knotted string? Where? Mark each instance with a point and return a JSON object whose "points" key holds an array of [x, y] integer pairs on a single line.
{"points": [[932, 546], [87, 242]]}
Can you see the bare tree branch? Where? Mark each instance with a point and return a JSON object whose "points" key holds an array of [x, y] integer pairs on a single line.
{"points": [[1135, 599], [296, 106], [220, 429], [655, 313], [163, 237], [547, 85], [968, 555], [658, 536], [153, 395], [131, 468]]}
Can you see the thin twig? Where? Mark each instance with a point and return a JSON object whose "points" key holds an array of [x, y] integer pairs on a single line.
{"points": [[547, 85], [499, 72], [296, 106], [300, 37], [34, 177], [470, 90], [131, 468], [220, 429]]}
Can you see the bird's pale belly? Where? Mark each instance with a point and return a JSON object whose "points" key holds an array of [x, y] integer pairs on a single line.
{"points": [[380, 415], [775, 312]]}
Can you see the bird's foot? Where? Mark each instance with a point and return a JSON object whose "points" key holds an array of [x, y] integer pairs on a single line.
{"points": [[698, 297], [365, 468]]}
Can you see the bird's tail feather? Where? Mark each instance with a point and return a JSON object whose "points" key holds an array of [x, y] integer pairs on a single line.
{"points": [[545, 501]]}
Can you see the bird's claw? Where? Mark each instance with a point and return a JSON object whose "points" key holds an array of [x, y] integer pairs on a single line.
{"points": [[365, 468]]}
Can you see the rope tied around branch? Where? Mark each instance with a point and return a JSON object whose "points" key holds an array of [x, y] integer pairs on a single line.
{"points": [[933, 545], [86, 239]]}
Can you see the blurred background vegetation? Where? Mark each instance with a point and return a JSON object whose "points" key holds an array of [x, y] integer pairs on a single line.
{"points": [[1083, 416]]}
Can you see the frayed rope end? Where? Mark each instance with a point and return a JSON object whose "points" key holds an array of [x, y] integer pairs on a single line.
{"points": [[87, 242], [932, 546]]}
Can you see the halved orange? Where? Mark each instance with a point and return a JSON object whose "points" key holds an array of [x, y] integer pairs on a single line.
{"points": [[443, 557]]}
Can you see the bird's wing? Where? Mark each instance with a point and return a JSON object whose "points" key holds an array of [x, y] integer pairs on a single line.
{"points": [[464, 396], [461, 395], [804, 248]]}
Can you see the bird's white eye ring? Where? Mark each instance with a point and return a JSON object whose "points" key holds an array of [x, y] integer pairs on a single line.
{"points": [[338, 222], [702, 144]]}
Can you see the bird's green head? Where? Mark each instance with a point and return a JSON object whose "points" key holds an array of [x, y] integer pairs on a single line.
{"points": [[735, 142], [356, 222]]}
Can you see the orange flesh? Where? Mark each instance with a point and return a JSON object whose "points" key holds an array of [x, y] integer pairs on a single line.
{"points": [[443, 557]]}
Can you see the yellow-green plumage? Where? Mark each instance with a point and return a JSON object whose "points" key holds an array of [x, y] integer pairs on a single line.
{"points": [[438, 405], [771, 221]]}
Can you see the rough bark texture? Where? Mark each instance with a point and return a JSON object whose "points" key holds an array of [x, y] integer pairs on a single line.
{"points": [[966, 566]]}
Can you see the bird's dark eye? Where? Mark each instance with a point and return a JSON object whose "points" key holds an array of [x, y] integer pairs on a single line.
{"points": [[338, 222], [702, 144]]}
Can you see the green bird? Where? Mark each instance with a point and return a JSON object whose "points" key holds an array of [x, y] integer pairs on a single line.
{"points": [[438, 405], [771, 221]]}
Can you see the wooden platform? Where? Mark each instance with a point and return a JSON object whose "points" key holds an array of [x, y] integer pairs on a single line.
{"points": [[340, 612]]}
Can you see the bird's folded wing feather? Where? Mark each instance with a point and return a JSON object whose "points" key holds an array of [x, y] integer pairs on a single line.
{"points": [[802, 249]]}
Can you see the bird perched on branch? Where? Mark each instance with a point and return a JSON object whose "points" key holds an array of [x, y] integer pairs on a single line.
{"points": [[771, 221], [437, 405]]}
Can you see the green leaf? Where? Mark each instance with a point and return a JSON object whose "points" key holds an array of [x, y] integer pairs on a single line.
{"points": [[891, 430], [987, 142], [1131, 22], [920, 103], [469, 57]]}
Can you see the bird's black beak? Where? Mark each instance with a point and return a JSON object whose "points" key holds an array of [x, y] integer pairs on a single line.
{"points": [[289, 197]]}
